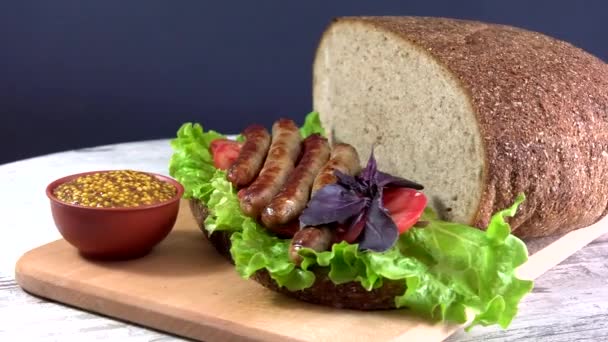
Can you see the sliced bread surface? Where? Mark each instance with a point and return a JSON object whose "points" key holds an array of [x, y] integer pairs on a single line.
{"points": [[476, 112]]}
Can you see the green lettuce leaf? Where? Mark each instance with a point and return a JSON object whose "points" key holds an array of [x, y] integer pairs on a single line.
{"points": [[191, 163], [224, 208], [449, 269], [253, 249], [466, 268], [312, 124]]}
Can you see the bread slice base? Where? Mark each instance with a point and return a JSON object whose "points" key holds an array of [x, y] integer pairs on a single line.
{"points": [[349, 295]]}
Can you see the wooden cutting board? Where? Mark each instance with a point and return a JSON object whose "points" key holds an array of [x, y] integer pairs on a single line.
{"points": [[184, 287]]}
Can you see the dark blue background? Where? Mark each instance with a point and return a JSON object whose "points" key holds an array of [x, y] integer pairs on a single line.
{"points": [[79, 73]]}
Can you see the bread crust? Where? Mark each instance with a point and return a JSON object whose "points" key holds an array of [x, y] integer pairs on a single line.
{"points": [[542, 110], [324, 292]]}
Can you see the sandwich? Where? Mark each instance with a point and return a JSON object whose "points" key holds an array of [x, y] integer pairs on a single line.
{"points": [[435, 148]]}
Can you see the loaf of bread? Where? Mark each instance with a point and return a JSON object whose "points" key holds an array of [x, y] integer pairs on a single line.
{"points": [[475, 112]]}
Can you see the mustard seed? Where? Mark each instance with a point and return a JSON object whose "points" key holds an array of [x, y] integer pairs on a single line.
{"points": [[121, 188]]}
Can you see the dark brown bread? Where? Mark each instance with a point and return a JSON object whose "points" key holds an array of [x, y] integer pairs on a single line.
{"points": [[344, 296], [323, 291], [542, 109]]}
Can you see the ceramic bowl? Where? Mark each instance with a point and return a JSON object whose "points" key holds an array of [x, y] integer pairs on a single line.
{"points": [[114, 233]]}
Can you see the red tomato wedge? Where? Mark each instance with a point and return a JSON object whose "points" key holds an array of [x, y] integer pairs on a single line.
{"points": [[405, 206], [224, 152]]}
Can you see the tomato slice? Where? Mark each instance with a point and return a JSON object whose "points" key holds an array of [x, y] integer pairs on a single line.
{"points": [[224, 152], [217, 143], [405, 206]]}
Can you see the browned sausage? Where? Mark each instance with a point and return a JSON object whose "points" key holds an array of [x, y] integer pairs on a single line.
{"points": [[344, 158], [251, 158], [283, 154], [318, 239], [288, 230], [293, 196]]}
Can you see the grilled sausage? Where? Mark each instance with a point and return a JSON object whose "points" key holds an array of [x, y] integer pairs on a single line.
{"points": [[293, 196], [282, 155], [318, 239], [344, 158], [251, 158], [288, 230]]}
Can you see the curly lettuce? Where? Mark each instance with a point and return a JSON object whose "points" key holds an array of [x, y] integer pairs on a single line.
{"points": [[191, 163], [312, 125], [451, 271]]}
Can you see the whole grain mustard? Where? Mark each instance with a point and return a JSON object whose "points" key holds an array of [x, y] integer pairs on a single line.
{"points": [[112, 189]]}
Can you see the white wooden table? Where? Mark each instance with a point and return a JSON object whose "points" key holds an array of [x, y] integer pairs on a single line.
{"points": [[569, 303]]}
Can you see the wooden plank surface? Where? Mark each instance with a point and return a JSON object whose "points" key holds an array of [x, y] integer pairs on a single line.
{"points": [[183, 287], [570, 303]]}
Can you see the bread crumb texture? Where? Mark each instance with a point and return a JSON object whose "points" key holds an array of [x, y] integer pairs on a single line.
{"points": [[477, 112]]}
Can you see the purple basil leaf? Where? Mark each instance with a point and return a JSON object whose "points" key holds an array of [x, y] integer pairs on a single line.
{"points": [[349, 182], [368, 175], [332, 203], [380, 232], [385, 180]]}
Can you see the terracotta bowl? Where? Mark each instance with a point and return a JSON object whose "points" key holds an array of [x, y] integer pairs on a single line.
{"points": [[114, 233]]}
